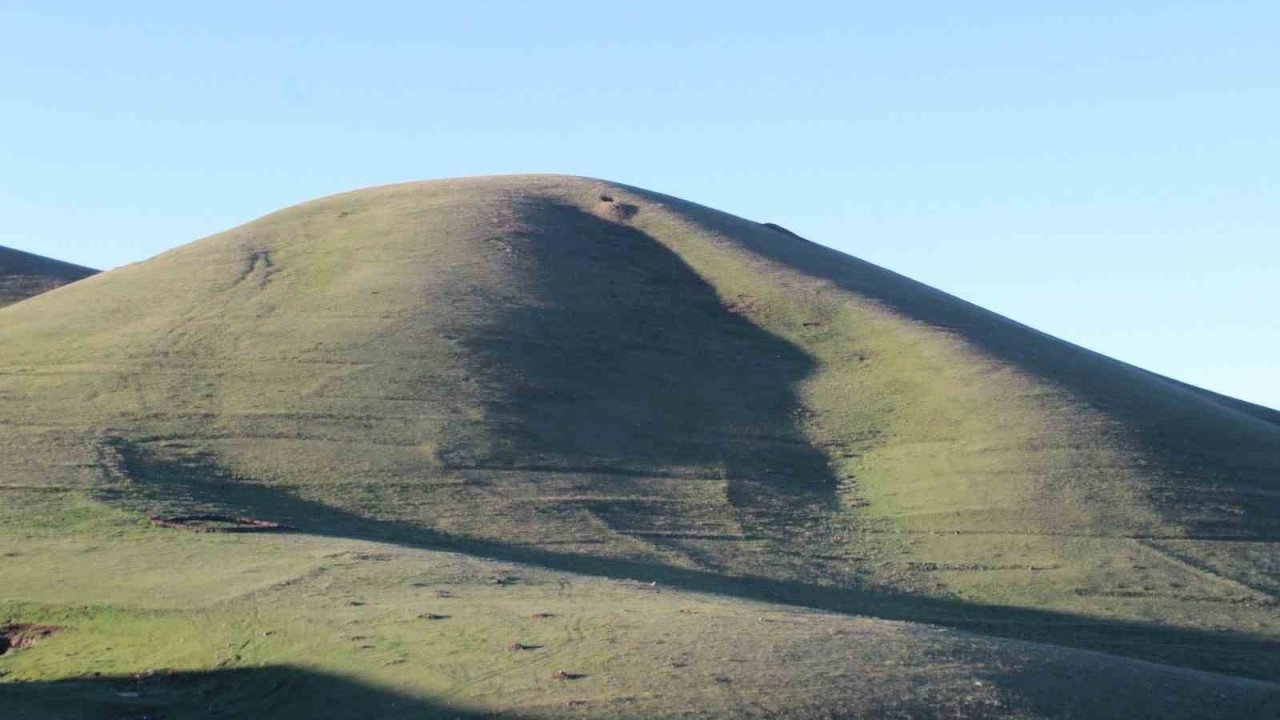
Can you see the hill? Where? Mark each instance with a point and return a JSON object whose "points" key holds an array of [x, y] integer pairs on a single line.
{"points": [[586, 388], [23, 275]]}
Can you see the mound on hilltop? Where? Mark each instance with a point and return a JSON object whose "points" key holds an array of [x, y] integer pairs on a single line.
{"points": [[590, 378]]}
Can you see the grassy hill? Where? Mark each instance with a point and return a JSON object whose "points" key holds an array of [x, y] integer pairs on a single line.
{"points": [[495, 398], [23, 275]]}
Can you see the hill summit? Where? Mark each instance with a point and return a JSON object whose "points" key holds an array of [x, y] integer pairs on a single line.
{"points": [[585, 377]]}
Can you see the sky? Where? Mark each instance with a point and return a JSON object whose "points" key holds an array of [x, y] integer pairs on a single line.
{"points": [[1106, 172]]}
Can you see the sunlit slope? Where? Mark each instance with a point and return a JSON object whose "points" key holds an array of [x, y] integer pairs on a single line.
{"points": [[23, 275], [589, 376]]}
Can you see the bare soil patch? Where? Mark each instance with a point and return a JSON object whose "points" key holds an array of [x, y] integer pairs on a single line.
{"points": [[218, 524], [20, 637]]}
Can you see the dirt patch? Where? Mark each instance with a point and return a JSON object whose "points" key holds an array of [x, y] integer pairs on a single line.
{"points": [[610, 208], [20, 637], [373, 556], [218, 524], [623, 212], [258, 269], [742, 305]]}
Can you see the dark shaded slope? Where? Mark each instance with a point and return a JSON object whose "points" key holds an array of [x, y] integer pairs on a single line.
{"points": [[1261, 412], [23, 275], [1218, 458], [629, 364], [278, 692]]}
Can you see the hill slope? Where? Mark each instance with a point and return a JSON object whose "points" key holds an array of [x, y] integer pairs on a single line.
{"points": [[585, 377], [23, 275]]}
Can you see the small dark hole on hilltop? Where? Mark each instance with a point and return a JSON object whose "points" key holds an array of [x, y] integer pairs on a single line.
{"points": [[606, 198]]}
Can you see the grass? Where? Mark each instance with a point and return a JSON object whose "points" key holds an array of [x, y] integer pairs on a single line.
{"points": [[307, 627], [514, 375]]}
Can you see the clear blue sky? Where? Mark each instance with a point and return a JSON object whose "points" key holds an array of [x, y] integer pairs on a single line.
{"points": [[1107, 172]]}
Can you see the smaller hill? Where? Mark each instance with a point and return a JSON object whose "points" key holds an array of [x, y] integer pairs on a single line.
{"points": [[23, 275]]}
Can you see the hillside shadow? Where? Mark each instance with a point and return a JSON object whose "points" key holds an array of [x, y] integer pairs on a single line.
{"points": [[1101, 687], [621, 362], [23, 275], [199, 483], [1219, 457], [275, 692]]}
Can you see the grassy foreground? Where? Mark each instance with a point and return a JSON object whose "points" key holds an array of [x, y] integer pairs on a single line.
{"points": [[173, 624], [857, 496]]}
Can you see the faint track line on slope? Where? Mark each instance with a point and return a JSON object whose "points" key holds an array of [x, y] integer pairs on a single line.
{"points": [[1203, 569]]}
